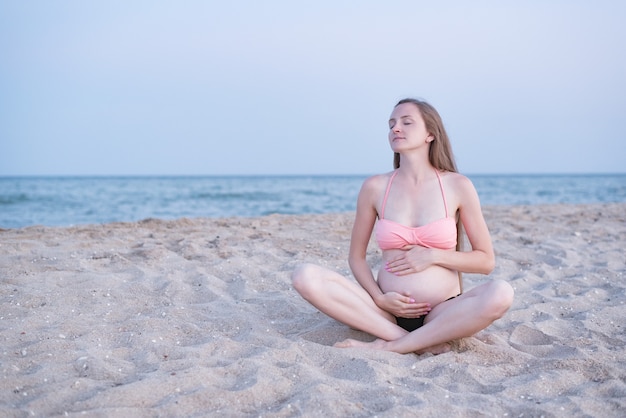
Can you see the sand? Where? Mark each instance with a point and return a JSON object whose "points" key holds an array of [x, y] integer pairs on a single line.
{"points": [[197, 317]]}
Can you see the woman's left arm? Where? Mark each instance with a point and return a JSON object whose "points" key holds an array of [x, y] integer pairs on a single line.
{"points": [[480, 258]]}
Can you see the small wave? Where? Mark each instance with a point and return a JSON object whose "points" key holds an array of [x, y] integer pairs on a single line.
{"points": [[225, 196], [14, 199]]}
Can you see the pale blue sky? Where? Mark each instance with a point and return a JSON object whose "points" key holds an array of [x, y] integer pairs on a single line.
{"points": [[286, 87]]}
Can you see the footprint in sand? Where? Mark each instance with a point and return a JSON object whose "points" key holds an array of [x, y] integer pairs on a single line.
{"points": [[536, 343]]}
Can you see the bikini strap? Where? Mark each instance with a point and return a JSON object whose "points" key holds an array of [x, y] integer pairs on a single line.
{"points": [[382, 208], [445, 203]]}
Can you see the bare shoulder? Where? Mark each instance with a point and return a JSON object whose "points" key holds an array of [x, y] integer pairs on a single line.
{"points": [[457, 181], [372, 189], [375, 183], [459, 187]]}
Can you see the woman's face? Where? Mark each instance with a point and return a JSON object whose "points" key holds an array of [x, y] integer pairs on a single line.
{"points": [[407, 128]]}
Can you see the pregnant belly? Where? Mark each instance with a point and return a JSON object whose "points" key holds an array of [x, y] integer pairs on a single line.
{"points": [[433, 285]]}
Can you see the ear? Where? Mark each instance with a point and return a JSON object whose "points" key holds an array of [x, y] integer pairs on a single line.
{"points": [[430, 138]]}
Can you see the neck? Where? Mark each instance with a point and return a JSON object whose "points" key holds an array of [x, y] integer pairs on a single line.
{"points": [[416, 168]]}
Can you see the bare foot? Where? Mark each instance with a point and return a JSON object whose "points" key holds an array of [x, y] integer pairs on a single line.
{"points": [[376, 345], [380, 344], [436, 349]]}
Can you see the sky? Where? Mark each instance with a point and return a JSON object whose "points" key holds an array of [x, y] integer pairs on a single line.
{"points": [[287, 87]]}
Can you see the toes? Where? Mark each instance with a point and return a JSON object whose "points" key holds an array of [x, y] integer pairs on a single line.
{"points": [[344, 344]]}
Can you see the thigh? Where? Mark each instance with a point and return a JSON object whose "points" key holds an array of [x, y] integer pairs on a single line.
{"points": [[459, 300], [353, 287]]}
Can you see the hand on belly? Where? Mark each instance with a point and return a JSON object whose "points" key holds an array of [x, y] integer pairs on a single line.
{"points": [[433, 285], [408, 260], [402, 305]]}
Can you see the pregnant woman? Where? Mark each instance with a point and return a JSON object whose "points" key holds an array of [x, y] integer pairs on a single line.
{"points": [[419, 210]]}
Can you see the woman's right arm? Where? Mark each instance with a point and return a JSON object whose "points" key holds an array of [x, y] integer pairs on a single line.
{"points": [[361, 233]]}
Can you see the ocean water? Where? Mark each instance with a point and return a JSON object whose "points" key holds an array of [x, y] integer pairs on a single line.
{"points": [[65, 201]]}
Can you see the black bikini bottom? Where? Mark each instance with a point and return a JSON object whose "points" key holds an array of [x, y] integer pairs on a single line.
{"points": [[411, 324]]}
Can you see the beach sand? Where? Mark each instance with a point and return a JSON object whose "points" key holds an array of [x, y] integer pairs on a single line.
{"points": [[197, 317]]}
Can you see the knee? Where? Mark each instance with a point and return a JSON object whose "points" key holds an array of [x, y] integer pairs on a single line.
{"points": [[302, 278], [500, 298]]}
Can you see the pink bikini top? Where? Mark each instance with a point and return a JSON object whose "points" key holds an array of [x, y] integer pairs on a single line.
{"points": [[437, 234]]}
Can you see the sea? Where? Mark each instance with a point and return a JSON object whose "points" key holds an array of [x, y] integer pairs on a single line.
{"points": [[68, 201]]}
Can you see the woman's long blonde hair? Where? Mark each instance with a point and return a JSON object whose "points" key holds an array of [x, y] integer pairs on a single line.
{"points": [[439, 154]]}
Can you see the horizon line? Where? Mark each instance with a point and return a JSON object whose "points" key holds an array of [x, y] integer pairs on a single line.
{"points": [[591, 173]]}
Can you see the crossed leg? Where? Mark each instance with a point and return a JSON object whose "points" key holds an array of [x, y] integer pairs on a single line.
{"points": [[460, 317], [350, 304], [345, 301]]}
